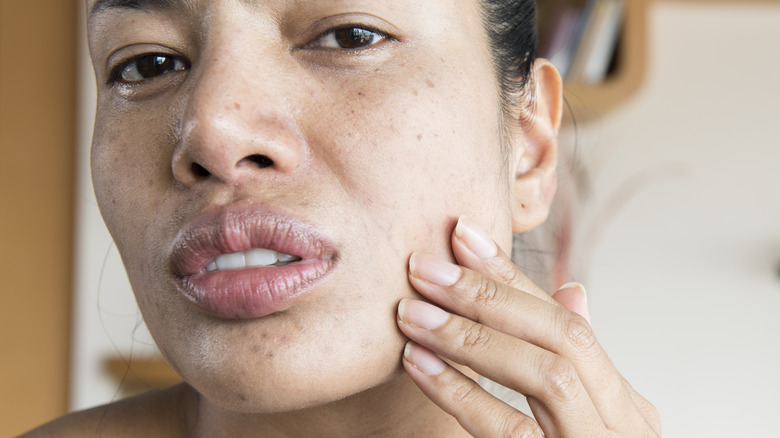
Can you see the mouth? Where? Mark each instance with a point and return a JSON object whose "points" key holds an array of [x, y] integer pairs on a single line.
{"points": [[245, 262]]}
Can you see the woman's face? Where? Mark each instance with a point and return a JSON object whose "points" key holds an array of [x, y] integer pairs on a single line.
{"points": [[345, 133]]}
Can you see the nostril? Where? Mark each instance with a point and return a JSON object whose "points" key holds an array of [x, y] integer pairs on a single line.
{"points": [[261, 161], [199, 170]]}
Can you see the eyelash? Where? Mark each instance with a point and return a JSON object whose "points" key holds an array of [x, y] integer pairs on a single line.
{"points": [[326, 41]]}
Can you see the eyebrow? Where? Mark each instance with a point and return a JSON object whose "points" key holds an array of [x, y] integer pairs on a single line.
{"points": [[143, 5]]}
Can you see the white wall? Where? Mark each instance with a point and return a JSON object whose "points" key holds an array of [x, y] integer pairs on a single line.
{"points": [[684, 288]]}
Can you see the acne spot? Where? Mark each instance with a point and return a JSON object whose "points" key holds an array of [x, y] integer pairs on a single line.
{"points": [[269, 355], [415, 92], [256, 349], [430, 83], [360, 93], [237, 106], [419, 137]]}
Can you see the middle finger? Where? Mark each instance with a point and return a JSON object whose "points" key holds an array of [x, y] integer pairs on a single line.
{"points": [[505, 359]]}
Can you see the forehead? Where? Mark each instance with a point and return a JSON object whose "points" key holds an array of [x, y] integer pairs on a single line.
{"points": [[94, 7]]}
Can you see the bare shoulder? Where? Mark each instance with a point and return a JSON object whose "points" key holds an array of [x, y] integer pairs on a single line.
{"points": [[160, 413]]}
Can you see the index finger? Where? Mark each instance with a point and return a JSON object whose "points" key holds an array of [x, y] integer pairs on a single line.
{"points": [[474, 249]]}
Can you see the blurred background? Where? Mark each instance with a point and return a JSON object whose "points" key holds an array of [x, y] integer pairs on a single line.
{"points": [[670, 211]]}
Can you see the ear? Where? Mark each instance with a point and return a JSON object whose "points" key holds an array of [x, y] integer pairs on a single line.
{"points": [[536, 154]]}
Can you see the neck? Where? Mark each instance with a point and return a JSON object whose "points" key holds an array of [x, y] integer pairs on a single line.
{"points": [[396, 408]]}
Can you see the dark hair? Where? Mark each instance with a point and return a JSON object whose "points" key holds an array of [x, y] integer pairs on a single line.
{"points": [[512, 32]]}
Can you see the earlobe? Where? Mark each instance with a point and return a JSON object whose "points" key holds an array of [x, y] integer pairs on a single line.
{"points": [[535, 180]]}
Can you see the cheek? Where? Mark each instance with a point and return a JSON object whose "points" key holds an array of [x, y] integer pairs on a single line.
{"points": [[421, 145]]}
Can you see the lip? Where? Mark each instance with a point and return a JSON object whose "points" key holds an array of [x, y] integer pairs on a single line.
{"points": [[250, 292]]}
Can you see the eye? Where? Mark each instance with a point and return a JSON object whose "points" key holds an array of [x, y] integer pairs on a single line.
{"points": [[348, 38], [147, 66]]}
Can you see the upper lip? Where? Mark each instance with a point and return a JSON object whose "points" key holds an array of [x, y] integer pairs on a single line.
{"points": [[241, 227]]}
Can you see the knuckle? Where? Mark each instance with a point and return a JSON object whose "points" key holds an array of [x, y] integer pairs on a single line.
{"points": [[474, 337], [509, 273], [578, 333], [486, 293], [561, 380], [464, 393], [520, 426]]}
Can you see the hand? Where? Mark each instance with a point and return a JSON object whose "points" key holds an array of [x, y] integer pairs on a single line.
{"points": [[502, 326]]}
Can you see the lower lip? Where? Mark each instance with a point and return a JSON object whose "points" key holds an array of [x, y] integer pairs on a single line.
{"points": [[253, 292]]}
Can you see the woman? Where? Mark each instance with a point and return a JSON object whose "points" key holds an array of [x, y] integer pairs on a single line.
{"points": [[291, 184]]}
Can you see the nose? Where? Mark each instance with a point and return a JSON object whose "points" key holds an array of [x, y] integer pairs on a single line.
{"points": [[237, 125]]}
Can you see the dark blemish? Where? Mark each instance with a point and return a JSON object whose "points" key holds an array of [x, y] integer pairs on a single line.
{"points": [[242, 397], [419, 137], [435, 135], [237, 105], [360, 93], [269, 355], [256, 348], [522, 205], [415, 92], [430, 83]]}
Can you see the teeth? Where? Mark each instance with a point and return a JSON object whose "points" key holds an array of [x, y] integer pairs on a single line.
{"points": [[252, 258], [261, 257]]}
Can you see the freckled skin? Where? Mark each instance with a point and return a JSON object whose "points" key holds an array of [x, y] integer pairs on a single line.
{"points": [[384, 159]]}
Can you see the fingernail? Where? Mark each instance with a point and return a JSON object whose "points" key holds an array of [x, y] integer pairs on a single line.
{"points": [[434, 269], [478, 241], [575, 285], [421, 314], [423, 360], [575, 305]]}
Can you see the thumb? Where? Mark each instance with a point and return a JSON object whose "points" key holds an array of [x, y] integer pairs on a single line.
{"points": [[573, 297]]}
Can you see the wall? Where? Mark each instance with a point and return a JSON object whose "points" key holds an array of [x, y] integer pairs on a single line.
{"points": [[683, 282], [37, 115]]}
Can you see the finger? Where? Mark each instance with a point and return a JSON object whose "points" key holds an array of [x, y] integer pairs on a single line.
{"points": [[573, 297], [547, 325], [474, 249], [507, 360], [480, 414]]}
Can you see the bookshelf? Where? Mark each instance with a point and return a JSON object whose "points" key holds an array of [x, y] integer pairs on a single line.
{"points": [[627, 70]]}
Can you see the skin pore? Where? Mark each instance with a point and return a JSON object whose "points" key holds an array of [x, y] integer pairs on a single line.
{"points": [[361, 131]]}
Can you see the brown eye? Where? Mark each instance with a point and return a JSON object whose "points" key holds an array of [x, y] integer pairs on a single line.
{"points": [[349, 38], [354, 37], [147, 67]]}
